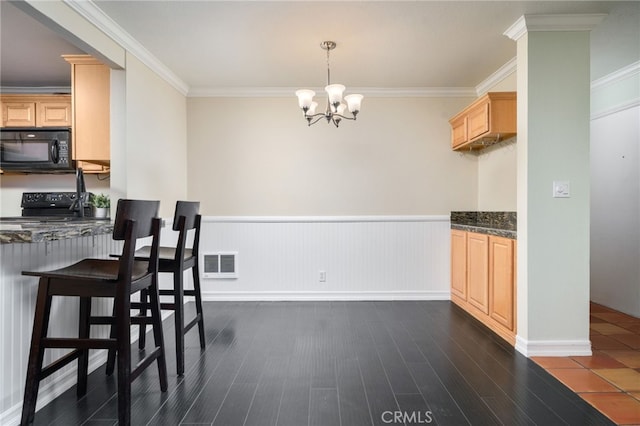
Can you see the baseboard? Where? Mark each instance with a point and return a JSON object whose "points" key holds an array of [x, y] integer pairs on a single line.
{"points": [[274, 296], [53, 389], [531, 348]]}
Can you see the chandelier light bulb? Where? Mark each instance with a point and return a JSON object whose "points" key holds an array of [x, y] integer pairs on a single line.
{"points": [[334, 91], [353, 102], [305, 98]]}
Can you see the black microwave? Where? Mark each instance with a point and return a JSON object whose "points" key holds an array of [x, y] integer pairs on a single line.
{"points": [[36, 150]]}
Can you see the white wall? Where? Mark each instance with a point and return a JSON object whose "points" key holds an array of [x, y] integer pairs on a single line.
{"points": [[615, 211], [615, 42], [553, 233], [155, 145], [615, 160], [256, 156], [364, 258], [12, 187], [497, 182], [497, 174]]}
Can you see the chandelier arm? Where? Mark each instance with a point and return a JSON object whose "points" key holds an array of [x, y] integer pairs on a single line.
{"points": [[344, 116], [317, 117]]}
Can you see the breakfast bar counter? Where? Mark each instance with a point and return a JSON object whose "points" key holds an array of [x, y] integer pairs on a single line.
{"points": [[38, 230]]}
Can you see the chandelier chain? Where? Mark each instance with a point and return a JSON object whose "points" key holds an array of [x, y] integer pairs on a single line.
{"points": [[328, 68]]}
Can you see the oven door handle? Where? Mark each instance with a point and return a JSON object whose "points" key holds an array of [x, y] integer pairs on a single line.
{"points": [[55, 151]]}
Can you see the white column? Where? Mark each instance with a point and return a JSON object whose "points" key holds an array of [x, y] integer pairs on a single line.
{"points": [[553, 145]]}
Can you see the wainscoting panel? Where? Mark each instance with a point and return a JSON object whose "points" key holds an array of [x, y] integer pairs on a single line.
{"points": [[362, 258], [17, 305]]}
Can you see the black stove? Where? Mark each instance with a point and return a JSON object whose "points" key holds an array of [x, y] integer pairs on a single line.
{"points": [[59, 204]]}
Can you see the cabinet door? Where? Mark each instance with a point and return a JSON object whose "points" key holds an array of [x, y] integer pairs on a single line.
{"points": [[479, 120], [91, 124], [459, 263], [501, 273], [478, 271], [459, 131], [18, 114], [53, 114]]}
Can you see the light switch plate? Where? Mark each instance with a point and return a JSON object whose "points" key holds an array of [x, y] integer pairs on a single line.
{"points": [[561, 189]]}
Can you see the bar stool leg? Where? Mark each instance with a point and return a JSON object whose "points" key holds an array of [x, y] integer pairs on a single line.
{"points": [[83, 333], [36, 353], [198, 296], [158, 336], [111, 354], [123, 331], [178, 288], [142, 335]]}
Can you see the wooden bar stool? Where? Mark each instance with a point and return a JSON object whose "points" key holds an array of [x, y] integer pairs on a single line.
{"points": [[118, 279], [176, 260]]}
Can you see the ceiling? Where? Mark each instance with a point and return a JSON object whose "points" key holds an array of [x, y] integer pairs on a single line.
{"points": [[213, 45]]}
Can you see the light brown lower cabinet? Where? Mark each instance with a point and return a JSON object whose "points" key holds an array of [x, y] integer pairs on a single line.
{"points": [[483, 279], [501, 277], [459, 264], [478, 272]]}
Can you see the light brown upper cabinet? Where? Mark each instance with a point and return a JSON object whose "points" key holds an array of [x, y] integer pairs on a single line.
{"points": [[36, 110], [491, 118], [90, 91]]}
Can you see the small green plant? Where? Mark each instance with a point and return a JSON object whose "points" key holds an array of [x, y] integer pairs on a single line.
{"points": [[100, 201]]}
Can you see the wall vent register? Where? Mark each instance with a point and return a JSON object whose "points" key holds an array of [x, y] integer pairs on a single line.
{"points": [[220, 265]]}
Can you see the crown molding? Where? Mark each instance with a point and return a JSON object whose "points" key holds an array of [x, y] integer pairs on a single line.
{"points": [[64, 90], [372, 92], [500, 74], [623, 73], [563, 22], [95, 15], [633, 103]]}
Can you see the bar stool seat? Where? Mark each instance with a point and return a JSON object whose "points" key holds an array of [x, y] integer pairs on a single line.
{"points": [[94, 270], [166, 254], [90, 278]]}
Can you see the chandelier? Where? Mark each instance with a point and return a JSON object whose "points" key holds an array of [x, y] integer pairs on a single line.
{"points": [[335, 110]]}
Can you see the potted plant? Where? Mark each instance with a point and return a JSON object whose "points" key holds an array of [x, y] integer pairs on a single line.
{"points": [[101, 204]]}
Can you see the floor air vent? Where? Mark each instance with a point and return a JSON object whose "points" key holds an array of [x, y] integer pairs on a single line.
{"points": [[220, 265]]}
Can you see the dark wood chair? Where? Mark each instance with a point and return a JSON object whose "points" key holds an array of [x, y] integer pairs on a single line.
{"points": [[114, 278], [176, 260]]}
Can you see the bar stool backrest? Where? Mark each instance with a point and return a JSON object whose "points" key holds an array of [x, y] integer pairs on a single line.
{"points": [[136, 219], [188, 209], [141, 212]]}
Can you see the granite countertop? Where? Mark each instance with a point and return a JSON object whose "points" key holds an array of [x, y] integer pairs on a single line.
{"points": [[501, 224], [41, 229]]}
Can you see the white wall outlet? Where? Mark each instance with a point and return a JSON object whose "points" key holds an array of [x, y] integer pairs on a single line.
{"points": [[561, 189], [322, 276]]}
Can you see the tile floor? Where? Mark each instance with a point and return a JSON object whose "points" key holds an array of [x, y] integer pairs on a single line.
{"points": [[610, 378]]}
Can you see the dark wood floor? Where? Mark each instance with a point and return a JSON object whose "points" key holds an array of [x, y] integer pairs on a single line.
{"points": [[337, 363]]}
